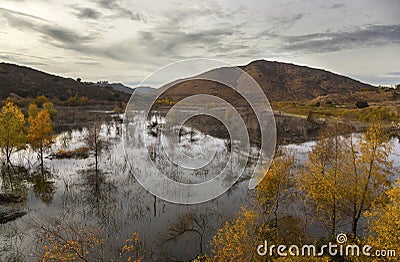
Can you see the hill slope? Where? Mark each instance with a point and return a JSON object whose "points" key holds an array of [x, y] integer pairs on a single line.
{"points": [[27, 82], [282, 81], [279, 81], [116, 86]]}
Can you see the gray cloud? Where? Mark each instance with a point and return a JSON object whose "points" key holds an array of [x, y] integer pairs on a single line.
{"points": [[87, 13], [279, 24], [88, 63], [23, 58], [168, 38], [234, 31], [50, 32], [176, 42], [4, 10], [119, 10], [183, 32], [65, 38], [30, 63], [64, 35], [289, 21], [337, 6], [373, 35], [15, 54]]}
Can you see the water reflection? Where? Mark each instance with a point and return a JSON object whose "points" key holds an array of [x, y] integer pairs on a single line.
{"points": [[44, 189], [110, 199]]}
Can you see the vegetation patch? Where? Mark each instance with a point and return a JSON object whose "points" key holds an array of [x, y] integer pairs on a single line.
{"points": [[7, 198], [81, 153], [361, 113]]}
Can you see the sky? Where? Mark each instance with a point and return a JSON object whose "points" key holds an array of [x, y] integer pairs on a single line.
{"points": [[125, 40]]}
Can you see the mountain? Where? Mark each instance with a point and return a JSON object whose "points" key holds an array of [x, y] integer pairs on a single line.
{"points": [[283, 81], [126, 89], [116, 86], [141, 90], [23, 81], [279, 81]]}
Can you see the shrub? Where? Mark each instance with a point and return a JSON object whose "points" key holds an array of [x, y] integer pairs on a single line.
{"points": [[82, 152], [362, 104], [40, 100]]}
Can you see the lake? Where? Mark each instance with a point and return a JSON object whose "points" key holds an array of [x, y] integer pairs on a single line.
{"points": [[113, 201]]}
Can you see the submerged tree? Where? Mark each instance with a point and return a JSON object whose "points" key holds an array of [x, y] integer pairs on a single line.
{"points": [[345, 175], [94, 140], [95, 143], [369, 173], [188, 223], [40, 132], [323, 178], [275, 189], [12, 135]]}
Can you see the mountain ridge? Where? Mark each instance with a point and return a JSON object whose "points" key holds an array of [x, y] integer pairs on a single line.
{"points": [[280, 82], [23, 81]]}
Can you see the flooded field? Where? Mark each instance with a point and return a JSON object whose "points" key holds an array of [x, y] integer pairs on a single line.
{"points": [[102, 192]]}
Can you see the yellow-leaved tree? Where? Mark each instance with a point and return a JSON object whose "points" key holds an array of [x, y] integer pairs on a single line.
{"points": [[385, 222], [69, 242], [323, 178], [12, 135], [345, 175], [275, 189], [237, 240], [369, 171], [49, 106], [40, 132]]}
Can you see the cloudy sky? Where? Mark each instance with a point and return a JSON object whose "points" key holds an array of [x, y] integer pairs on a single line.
{"points": [[125, 40]]}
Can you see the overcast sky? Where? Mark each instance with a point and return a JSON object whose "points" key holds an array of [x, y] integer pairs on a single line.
{"points": [[125, 40]]}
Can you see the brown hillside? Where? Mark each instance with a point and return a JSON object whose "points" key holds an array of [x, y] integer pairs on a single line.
{"points": [[279, 81], [28, 82], [283, 82]]}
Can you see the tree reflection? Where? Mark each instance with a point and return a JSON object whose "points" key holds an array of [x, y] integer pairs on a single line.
{"points": [[44, 189], [14, 184], [99, 193], [193, 225]]}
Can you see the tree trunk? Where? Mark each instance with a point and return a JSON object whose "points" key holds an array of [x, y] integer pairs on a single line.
{"points": [[276, 218], [96, 149], [8, 155], [155, 206], [333, 233], [354, 227], [41, 161]]}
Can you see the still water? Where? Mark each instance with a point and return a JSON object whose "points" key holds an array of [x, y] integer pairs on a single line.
{"points": [[114, 202]]}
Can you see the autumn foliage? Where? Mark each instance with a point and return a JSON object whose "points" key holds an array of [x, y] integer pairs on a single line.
{"points": [[40, 132], [70, 242], [236, 240], [345, 180], [385, 221], [12, 127]]}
